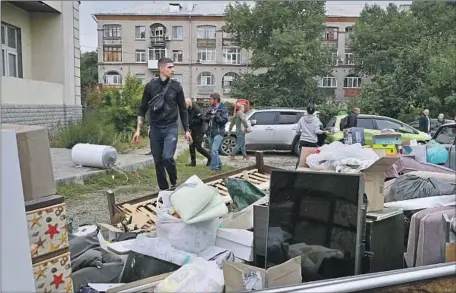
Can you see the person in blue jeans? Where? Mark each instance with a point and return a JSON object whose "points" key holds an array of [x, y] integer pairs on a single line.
{"points": [[217, 117]]}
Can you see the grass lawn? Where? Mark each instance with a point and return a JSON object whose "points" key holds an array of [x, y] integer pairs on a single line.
{"points": [[142, 181]]}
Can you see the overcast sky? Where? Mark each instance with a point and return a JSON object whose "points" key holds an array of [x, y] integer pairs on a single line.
{"points": [[88, 27]]}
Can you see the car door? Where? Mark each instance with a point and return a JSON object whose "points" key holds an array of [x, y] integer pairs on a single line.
{"points": [[262, 135], [447, 137], [384, 123], [285, 130], [369, 128]]}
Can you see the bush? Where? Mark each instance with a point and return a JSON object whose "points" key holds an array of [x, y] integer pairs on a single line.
{"points": [[91, 129], [120, 107]]}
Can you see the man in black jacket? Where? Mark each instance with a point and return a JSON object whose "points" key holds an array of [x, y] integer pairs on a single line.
{"points": [[164, 99], [196, 122], [425, 122]]}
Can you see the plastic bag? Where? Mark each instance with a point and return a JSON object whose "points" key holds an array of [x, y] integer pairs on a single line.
{"points": [[198, 276], [161, 249], [336, 154], [436, 153], [410, 186], [242, 192], [192, 238]]}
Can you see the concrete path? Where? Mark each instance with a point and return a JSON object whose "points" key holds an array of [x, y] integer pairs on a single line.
{"points": [[66, 172]]}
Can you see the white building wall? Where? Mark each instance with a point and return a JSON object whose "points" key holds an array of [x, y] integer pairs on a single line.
{"points": [[49, 90]]}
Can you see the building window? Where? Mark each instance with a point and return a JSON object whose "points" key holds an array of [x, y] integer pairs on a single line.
{"points": [[227, 81], [141, 76], [112, 53], [177, 56], [352, 81], [206, 32], [349, 60], [206, 79], [178, 33], [113, 78], [232, 55], [140, 32], [11, 44], [206, 55], [140, 56], [331, 34], [179, 78], [157, 53], [348, 34], [328, 81], [112, 31]]}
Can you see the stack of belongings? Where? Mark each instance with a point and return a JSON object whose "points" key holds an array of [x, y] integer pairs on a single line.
{"points": [[190, 251]]}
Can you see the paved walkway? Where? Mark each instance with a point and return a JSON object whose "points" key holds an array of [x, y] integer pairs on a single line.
{"points": [[66, 172]]}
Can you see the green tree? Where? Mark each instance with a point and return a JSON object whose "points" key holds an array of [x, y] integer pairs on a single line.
{"points": [[121, 105], [89, 69], [411, 57], [285, 40]]}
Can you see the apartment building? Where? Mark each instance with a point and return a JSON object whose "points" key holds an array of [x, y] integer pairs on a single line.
{"points": [[40, 62], [206, 58]]}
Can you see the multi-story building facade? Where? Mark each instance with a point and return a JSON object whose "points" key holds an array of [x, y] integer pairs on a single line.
{"points": [[40, 62], [206, 59]]}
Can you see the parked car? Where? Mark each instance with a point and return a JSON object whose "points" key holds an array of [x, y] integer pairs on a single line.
{"points": [[446, 135], [434, 125], [373, 125], [272, 130]]}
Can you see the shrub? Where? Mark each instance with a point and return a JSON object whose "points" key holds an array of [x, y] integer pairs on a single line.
{"points": [[120, 106], [91, 129]]}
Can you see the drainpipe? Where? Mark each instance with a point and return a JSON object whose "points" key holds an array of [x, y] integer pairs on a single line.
{"points": [[190, 47]]}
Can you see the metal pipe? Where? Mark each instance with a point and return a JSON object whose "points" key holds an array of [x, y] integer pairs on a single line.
{"points": [[370, 281]]}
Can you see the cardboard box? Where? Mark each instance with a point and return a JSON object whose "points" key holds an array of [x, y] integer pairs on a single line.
{"points": [[374, 181], [305, 152], [241, 277], [238, 241], [35, 160]]}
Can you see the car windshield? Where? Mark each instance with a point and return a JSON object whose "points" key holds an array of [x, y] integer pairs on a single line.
{"points": [[446, 135]]}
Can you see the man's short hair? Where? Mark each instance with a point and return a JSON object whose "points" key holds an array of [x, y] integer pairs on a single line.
{"points": [[163, 61], [216, 96]]}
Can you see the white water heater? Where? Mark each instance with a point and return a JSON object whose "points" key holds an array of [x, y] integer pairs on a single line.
{"points": [[93, 155]]}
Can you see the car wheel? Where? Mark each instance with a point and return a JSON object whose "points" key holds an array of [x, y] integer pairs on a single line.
{"points": [[296, 149], [227, 145]]}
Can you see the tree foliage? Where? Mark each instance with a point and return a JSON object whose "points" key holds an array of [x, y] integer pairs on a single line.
{"points": [[411, 57], [121, 105], [89, 69], [285, 40]]}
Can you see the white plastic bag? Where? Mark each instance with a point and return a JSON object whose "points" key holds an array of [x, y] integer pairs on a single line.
{"points": [[198, 276], [192, 238], [335, 156]]}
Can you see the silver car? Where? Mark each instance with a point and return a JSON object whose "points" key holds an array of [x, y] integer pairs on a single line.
{"points": [[272, 129]]}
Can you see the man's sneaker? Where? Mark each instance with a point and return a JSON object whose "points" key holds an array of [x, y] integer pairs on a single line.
{"points": [[191, 165], [173, 187]]}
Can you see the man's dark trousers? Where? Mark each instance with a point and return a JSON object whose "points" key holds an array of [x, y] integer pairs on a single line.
{"points": [[163, 143], [197, 145]]}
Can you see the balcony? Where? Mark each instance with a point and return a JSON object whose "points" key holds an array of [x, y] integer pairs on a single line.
{"points": [[206, 89], [206, 43], [158, 41], [112, 41]]}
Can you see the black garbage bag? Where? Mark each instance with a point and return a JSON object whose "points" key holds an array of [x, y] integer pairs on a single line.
{"points": [[410, 186], [242, 192]]}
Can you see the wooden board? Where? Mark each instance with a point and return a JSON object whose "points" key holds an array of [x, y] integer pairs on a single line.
{"points": [[144, 213]]}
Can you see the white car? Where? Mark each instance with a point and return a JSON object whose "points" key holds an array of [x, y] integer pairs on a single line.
{"points": [[272, 130]]}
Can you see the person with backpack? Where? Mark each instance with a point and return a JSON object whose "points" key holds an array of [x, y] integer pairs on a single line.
{"points": [[351, 120], [164, 99], [196, 121]]}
